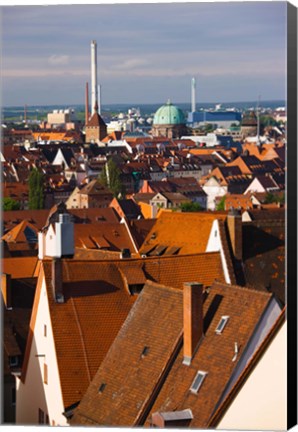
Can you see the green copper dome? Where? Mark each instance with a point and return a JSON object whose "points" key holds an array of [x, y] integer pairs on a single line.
{"points": [[169, 114]]}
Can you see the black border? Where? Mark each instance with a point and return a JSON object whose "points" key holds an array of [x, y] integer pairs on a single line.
{"points": [[292, 214]]}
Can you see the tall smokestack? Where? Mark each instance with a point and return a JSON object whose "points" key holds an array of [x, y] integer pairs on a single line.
{"points": [[193, 95], [94, 96], [99, 99], [86, 105]]}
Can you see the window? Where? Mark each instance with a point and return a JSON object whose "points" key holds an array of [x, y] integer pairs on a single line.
{"points": [[45, 330], [198, 381], [222, 323]]}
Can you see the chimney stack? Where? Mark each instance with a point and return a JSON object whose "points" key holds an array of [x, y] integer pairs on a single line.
{"points": [[234, 223], [192, 319], [57, 280]]}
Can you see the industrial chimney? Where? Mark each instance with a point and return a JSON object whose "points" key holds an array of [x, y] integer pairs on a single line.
{"points": [[94, 95], [86, 105], [193, 95]]}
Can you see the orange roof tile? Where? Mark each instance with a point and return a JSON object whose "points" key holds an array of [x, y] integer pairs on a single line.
{"points": [[19, 267], [143, 371], [188, 231], [84, 326]]}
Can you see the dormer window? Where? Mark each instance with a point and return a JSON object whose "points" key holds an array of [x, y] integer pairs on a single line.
{"points": [[222, 323], [198, 381]]}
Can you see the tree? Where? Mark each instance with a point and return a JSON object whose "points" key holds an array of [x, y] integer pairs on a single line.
{"points": [[36, 190], [190, 207], [274, 198], [110, 177], [222, 204], [10, 204]]}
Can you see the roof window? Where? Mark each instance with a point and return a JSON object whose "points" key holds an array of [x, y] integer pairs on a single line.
{"points": [[222, 323], [198, 381]]}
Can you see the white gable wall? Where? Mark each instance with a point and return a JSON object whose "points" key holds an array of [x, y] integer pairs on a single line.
{"points": [[34, 394], [215, 245], [213, 189], [255, 186], [59, 159]]}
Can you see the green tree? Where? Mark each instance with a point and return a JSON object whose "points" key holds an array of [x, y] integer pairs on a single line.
{"points": [[10, 204], [191, 207], [36, 190], [222, 204], [110, 177], [274, 198]]}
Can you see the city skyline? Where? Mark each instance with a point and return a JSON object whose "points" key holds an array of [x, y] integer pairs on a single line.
{"points": [[146, 53]]}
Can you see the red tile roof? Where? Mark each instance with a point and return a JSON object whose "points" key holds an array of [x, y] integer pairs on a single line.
{"points": [[143, 371]]}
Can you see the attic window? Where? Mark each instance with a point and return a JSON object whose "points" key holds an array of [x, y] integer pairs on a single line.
{"points": [[198, 381], [102, 387], [222, 323]]}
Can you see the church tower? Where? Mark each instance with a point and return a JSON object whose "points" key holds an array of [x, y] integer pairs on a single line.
{"points": [[96, 129]]}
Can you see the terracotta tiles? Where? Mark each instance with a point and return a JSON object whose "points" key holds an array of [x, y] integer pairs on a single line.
{"points": [[143, 371], [191, 231], [19, 267], [96, 305]]}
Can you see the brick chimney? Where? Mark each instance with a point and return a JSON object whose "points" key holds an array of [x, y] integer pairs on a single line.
{"points": [[57, 280], [192, 319], [234, 223]]}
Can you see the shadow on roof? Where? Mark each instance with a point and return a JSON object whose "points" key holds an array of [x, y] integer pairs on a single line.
{"points": [[87, 289]]}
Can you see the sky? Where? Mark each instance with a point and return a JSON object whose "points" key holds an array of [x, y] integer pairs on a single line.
{"points": [[147, 53]]}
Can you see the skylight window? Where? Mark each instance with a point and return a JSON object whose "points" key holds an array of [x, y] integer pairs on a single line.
{"points": [[198, 381], [222, 323]]}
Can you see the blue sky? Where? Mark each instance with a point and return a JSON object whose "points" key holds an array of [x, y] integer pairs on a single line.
{"points": [[147, 53]]}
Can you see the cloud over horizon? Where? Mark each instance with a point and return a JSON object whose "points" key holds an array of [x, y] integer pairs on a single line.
{"points": [[145, 47]]}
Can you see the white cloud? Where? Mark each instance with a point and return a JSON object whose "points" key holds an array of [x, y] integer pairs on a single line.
{"points": [[58, 60]]}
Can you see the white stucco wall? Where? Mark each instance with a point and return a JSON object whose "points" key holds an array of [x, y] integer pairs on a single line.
{"points": [[261, 404], [255, 186], [33, 394], [215, 245], [213, 190], [59, 159]]}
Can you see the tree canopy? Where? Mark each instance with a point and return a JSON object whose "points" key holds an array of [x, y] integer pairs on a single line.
{"points": [[110, 177], [191, 207], [36, 190], [10, 204]]}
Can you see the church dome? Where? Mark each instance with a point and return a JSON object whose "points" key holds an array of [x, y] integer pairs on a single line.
{"points": [[169, 114]]}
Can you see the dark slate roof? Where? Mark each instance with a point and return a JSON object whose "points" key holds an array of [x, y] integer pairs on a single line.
{"points": [[264, 256], [130, 208]]}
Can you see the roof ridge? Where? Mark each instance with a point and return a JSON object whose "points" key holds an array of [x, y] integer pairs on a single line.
{"points": [[113, 261], [242, 288]]}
